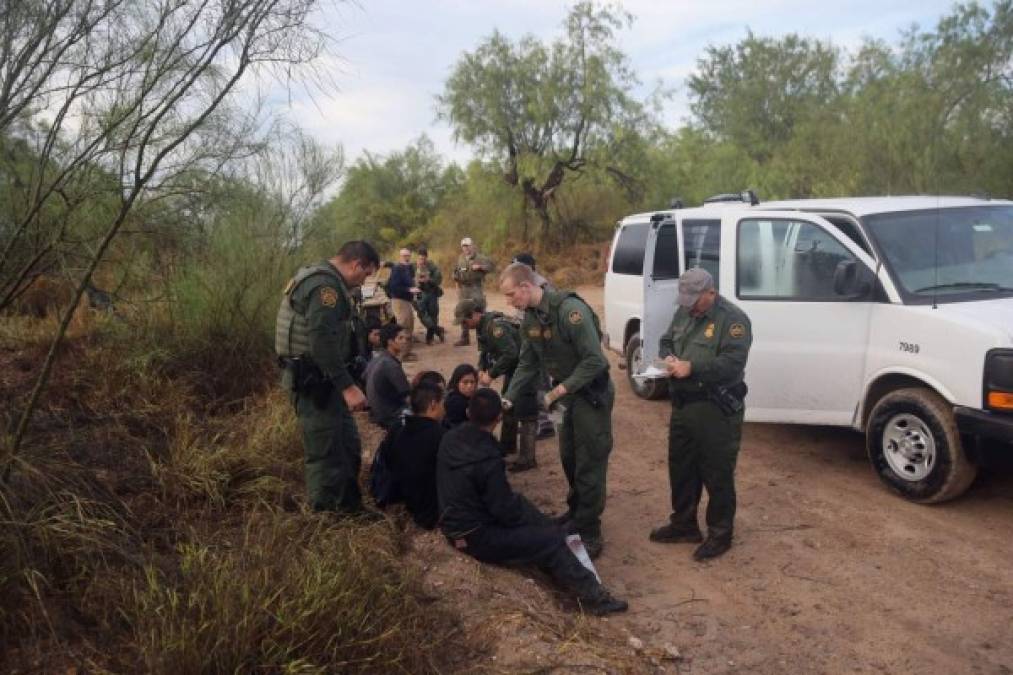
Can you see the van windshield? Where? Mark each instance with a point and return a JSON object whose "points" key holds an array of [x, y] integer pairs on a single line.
{"points": [[950, 254]]}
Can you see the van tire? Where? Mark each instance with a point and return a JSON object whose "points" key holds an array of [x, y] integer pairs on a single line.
{"points": [[906, 412], [651, 390]]}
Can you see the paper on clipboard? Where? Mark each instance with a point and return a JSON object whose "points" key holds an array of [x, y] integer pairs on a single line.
{"points": [[651, 373]]}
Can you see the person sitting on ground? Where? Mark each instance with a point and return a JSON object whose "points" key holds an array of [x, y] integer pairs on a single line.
{"points": [[484, 518], [412, 454], [386, 383], [463, 382]]}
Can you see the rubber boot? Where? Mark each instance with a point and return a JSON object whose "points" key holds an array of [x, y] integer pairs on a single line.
{"points": [[526, 446], [508, 434]]}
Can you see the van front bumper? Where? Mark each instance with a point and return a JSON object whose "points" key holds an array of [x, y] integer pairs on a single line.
{"points": [[984, 424]]}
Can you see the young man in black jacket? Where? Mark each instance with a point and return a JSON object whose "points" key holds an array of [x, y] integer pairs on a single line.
{"points": [[483, 517], [412, 454], [387, 386]]}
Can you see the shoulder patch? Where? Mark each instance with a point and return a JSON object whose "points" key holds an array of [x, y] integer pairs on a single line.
{"points": [[737, 330], [328, 297], [576, 317], [497, 331]]}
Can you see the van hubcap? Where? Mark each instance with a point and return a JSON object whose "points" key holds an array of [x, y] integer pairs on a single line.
{"points": [[909, 447]]}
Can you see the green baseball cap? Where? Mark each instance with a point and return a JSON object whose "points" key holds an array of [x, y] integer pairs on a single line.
{"points": [[466, 308]]}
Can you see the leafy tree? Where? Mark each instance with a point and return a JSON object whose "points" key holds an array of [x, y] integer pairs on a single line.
{"points": [[755, 93], [545, 111], [392, 199]]}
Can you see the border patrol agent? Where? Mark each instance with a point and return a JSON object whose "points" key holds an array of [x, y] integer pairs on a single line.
{"points": [[469, 274], [560, 332], [316, 346], [705, 350], [429, 279], [499, 347]]}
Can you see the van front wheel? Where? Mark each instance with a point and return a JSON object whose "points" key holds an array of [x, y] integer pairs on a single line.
{"points": [[651, 390], [914, 446]]}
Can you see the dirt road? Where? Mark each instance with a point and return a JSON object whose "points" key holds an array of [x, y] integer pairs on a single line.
{"points": [[829, 572]]}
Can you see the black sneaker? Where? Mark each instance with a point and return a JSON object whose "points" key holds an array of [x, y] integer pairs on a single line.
{"points": [[712, 548], [670, 534], [602, 604], [517, 467], [546, 432]]}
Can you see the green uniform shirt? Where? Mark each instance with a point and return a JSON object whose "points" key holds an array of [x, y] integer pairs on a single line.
{"points": [[499, 344], [435, 277], [327, 306], [466, 276], [560, 334], [716, 343]]}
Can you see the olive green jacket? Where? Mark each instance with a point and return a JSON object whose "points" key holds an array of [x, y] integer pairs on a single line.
{"points": [[562, 335], [716, 344], [499, 344], [325, 302]]}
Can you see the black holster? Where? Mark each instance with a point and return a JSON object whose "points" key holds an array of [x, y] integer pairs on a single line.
{"points": [[303, 377], [729, 399], [596, 391]]}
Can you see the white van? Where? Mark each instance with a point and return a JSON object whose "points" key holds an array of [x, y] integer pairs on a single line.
{"points": [[890, 315]]}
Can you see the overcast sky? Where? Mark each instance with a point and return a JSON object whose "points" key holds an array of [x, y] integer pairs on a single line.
{"points": [[396, 54]]}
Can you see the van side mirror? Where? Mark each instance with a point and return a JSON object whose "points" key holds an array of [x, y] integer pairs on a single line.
{"points": [[848, 281]]}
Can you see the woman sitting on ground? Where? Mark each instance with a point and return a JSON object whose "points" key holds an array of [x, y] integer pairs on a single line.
{"points": [[462, 386]]}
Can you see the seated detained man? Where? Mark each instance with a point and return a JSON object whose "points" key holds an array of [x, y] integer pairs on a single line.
{"points": [[386, 383], [483, 517], [412, 454]]}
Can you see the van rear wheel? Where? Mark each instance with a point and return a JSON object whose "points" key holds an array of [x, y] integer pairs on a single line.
{"points": [[914, 446], [651, 390]]}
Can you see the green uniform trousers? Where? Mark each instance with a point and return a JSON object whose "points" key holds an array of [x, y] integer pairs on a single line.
{"points": [[703, 445], [585, 442], [332, 452], [428, 308]]}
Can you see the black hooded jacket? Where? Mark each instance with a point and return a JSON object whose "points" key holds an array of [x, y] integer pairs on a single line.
{"points": [[472, 484], [412, 457]]}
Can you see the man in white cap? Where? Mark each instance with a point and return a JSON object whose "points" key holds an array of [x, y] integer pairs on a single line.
{"points": [[469, 274], [705, 351]]}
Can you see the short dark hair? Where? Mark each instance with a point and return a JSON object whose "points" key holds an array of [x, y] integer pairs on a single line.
{"points": [[423, 395], [361, 251], [485, 407], [525, 258], [430, 377], [388, 333], [373, 323], [422, 250]]}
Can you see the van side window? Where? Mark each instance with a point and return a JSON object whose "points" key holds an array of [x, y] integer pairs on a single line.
{"points": [[628, 257], [666, 253], [787, 259], [701, 241], [851, 230]]}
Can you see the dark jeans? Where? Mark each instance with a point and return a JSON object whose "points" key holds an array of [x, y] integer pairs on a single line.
{"points": [[538, 542]]}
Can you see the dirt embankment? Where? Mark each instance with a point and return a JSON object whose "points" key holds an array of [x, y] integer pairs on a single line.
{"points": [[829, 572]]}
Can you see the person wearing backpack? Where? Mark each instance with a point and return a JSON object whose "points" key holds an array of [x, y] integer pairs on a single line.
{"points": [[411, 454]]}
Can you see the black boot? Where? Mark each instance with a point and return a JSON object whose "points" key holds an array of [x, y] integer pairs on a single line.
{"points": [[676, 534], [601, 603], [712, 548]]}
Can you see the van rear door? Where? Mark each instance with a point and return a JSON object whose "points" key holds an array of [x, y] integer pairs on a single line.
{"points": [[809, 342], [661, 285]]}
